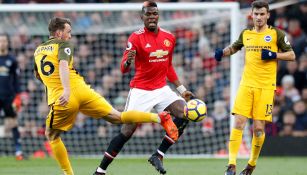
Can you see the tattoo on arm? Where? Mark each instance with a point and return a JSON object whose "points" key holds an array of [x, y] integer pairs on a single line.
{"points": [[229, 51]]}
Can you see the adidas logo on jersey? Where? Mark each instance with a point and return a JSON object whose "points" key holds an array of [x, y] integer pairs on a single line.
{"points": [[147, 45]]}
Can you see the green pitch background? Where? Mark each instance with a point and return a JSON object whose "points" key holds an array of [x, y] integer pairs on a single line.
{"points": [[123, 166]]}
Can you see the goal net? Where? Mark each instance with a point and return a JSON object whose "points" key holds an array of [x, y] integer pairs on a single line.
{"points": [[100, 32]]}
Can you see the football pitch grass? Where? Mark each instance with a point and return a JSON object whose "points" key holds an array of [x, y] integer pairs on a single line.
{"points": [[140, 166]]}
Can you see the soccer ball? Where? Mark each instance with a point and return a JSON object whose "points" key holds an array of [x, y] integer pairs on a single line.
{"points": [[195, 110]]}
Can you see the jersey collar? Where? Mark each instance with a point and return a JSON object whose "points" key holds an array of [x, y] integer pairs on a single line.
{"points": [[150, 32]]}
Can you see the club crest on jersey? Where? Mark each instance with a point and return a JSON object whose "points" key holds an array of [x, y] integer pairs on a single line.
{"points": [[267, 38], [147, 45], [8, 63], [67, 51], [129, 46], [158, 53], [167, 43]]}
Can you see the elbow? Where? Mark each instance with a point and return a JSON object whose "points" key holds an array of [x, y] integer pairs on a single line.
{"points": [[293, 57], [122, 69]]}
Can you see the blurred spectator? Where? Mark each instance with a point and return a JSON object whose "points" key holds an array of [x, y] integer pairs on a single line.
{"points": [[280, 19], [300, 12], [289, 119], [300, 111], [300, 78], [304, 95], [298, 36], [289, 89]]}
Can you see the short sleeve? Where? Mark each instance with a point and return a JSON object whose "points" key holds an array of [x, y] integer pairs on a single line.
{"points": [[65, 51], [239, 43], [132, 42], [283, 42]]}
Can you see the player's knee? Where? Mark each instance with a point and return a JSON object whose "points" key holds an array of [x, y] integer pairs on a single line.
{"points": [[115, 120], [52, 134], [128, 129], [240, 122], [127, 133], [176, 108], [114, 117], [258, 132], [48, 135]]}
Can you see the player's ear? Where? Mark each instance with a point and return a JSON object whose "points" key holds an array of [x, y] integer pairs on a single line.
{"points": [[268, 15], [57, 33]]}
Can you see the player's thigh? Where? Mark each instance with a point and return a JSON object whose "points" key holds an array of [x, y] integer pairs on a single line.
{"points": [[141, 100], [166, 96], [63, 117], [244, 102], [176, 108], [94, 105], [263, 104]]}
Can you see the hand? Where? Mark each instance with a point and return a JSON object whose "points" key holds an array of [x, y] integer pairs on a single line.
{"points": [[64, 98], [187, 95], [17, 102], [131, 56], [268, 55], [218, 54]]}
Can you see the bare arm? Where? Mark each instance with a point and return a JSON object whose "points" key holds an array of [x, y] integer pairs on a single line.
{"points": [[37, 76], [187, 95], [64, 76], [286, 56], [229, 50]]}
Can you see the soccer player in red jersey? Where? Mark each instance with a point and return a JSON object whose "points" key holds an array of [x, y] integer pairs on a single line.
{"points": [[150, 49]]}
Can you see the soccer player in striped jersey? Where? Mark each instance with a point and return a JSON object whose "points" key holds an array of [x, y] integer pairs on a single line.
{"points": [[264, 46], [68, 93]]}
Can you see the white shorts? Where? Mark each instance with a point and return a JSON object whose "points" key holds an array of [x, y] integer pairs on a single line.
{"points": [[145, 100]]}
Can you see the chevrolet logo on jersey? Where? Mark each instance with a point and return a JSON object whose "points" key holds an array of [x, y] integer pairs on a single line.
{"points": [[158, 53]]}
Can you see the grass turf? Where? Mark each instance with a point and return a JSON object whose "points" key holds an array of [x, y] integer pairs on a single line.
{"points": [[122, 166]]}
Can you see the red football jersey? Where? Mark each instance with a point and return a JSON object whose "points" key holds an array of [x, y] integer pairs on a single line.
{"points": [[153, 60]]}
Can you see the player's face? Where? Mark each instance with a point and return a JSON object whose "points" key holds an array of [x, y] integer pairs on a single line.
{"points": [[3, 43], [66, 33], [260, 16], [150, 17]]}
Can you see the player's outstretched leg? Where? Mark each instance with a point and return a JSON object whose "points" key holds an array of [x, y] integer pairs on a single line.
{"points": [[156, 159], [231, 170], [248, 170], [134, 116]]}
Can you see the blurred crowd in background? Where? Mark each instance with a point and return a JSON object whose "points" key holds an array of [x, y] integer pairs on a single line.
{"points": [[97, 58], [243, 3]]}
